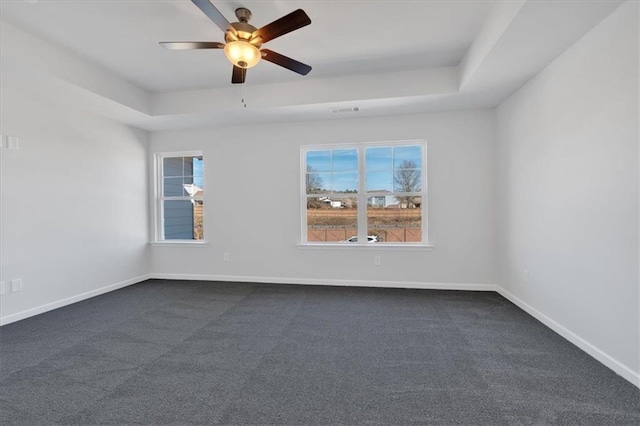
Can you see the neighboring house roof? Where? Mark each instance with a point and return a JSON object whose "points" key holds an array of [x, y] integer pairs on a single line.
{"points": [[193, 190]]}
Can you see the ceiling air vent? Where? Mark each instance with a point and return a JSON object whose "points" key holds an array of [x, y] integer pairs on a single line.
{"points": [[343, 110]]}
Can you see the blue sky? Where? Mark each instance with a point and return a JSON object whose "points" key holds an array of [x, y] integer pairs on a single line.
{"points": [[338, 168], [198, 176]]}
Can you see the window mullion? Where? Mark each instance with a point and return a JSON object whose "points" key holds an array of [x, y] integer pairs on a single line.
{"points": [[179, 198]]}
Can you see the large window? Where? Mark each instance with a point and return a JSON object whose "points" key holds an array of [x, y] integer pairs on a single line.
{"points": [[180, 196], [368, 193]]}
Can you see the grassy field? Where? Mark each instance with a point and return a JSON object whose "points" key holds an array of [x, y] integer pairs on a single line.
{"points": [[346, 216]]}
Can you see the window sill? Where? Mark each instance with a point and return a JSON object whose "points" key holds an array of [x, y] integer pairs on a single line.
{"points": [[370, 246], [179, 243]]}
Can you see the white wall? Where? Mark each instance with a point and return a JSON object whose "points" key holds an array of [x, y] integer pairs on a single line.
{"points": [[252, 209], [556, 182], [74, 201], [567, 191]]}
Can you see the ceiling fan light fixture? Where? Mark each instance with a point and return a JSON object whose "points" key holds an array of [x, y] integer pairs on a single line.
{"points": [[242, 53], [244, 41]]}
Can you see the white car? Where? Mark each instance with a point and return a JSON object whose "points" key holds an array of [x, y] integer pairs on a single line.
{"points": [[370, 239]]}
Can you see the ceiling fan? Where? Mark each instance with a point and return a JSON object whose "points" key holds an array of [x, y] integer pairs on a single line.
{"points": [[243, 40]]}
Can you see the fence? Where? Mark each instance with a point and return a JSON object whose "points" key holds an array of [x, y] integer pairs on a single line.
{"points": [[389, 235], [390, 225]]}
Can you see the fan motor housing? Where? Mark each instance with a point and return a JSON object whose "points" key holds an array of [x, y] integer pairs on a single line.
{"points": [[243, 32]]}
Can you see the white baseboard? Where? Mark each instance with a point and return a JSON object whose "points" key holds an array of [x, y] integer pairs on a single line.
{"points": [[598, 354], [69, 300], [328, 282]]}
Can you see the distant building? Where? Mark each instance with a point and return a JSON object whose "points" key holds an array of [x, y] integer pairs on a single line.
{"points": [[193, 190], [336, 204], [383, 201]]}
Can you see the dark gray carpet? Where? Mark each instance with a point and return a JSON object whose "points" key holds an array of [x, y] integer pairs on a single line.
{"points": [[165, 352]]}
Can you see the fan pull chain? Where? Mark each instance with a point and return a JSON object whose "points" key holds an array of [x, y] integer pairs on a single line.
{"points": [[243, 102]]}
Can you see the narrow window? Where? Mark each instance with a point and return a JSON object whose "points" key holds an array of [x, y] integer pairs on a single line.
{"points": [[180, 197]]}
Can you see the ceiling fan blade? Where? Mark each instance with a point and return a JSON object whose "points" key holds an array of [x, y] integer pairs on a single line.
{"points": [[238, 75], [183, 45], [291, 22], [214, 14], [283, 61]]}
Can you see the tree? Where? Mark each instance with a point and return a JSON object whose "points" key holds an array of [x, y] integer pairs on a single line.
{"points": [[407, 178], [314, 185], [313, 181]]}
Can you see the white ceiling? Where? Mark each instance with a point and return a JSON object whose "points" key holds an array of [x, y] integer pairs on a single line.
{"points": [[387, 57], [345, 37]]}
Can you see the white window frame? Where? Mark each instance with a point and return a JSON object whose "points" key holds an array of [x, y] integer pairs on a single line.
{"points": [[362, 195], [159, 198]]}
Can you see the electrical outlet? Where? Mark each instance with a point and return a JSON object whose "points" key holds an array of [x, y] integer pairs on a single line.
{"points": [[3, 288], [16, 285], [377, 261], [226, 257]]}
